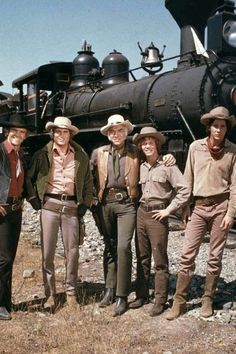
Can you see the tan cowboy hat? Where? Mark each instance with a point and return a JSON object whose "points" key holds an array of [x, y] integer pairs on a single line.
{"points": [[150, 132], [62, 122], [116, 119], [219, 112]]}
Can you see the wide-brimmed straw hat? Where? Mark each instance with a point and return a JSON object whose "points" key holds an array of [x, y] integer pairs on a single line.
{"points": [[116, 119], [17, 120], [219, 112], [149, 132], [64, 123]]}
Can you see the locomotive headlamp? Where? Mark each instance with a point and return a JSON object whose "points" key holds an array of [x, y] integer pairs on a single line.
{"points": [[221, 32], [233, 95], [229, 32]]}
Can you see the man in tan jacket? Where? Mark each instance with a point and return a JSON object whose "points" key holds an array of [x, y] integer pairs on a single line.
{"points": [[116, 167]]}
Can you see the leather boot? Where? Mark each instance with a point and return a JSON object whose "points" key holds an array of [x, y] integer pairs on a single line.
{"points": [[138, 302], [50, 303], [157, 309], [161, 293], [121, 306], [109, 297], [72, 301], [180, 297], [209, 291], [4, 314]]}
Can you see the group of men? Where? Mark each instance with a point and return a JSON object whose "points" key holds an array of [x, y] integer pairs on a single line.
{"points": [[137, 189]]}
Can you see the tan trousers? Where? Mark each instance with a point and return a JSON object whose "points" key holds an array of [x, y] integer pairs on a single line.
{"points": [[203, 219], [51, 222]]}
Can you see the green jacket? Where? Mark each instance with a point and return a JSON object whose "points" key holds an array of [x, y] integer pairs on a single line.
{"points": [[38, 174]]}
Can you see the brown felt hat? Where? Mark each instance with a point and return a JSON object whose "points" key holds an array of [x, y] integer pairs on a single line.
{"points": [[150, 132], [219, 112]]}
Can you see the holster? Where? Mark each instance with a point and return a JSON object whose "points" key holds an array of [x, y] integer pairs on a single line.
{"points": [[96, 217], [58, 208], [48, 205]]}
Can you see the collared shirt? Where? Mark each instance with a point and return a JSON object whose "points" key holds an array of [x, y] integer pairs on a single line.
{"points": [[120, 181], [16, 184], [209, 177], [62, 172], [158, 183], [111, 181]]}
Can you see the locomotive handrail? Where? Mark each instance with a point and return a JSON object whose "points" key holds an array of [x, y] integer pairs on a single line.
{"points": [[185, 122], [125, 106]]}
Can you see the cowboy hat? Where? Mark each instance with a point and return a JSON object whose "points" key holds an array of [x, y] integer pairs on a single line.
{"points": [[219, 112], [64, 123], [149, 132], [116, 119], [17, 120]]}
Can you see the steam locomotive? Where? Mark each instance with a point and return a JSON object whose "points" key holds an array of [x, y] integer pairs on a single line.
{"points": [[172, 101]]}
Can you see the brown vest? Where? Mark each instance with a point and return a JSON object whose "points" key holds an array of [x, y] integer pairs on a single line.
{"points": [[131, 170]]}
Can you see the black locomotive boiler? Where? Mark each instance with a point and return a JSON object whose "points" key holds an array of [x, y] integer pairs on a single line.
{"points": [[173, 101]]}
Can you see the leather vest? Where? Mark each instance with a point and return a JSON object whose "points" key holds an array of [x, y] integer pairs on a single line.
{"points": [[131, 170], [5, 174]]}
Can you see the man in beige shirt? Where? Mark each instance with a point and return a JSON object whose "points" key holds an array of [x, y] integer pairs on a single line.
{"points": [[158, 182], [211, 173]]}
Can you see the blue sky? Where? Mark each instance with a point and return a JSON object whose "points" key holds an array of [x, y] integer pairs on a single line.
{"points": [[34, 32]]}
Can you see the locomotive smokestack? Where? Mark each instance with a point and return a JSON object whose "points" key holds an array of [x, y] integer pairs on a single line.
{"points": [[190, 13]]}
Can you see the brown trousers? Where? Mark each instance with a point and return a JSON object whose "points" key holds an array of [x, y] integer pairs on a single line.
{"points": [[51, 222], [151, 239], [203, 219]]}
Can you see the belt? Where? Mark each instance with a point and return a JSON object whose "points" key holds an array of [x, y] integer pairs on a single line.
{"points": [[12, 207], [58, 208], [212, 200], [62, 197], [152, 207], [112, 195], [12, 200]]}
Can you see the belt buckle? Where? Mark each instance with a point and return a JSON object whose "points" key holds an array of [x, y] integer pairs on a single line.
{"points": [[63, 197], [14, 207], [210, 201], [119, 196]]}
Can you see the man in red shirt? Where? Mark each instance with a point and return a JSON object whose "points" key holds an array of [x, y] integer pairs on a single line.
{"points": [[11, 192]]}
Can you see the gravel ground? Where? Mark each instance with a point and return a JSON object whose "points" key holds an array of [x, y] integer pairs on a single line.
{"points": [[91, 265], [89, 329]]}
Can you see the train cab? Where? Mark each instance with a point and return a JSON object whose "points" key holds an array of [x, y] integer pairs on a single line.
{"points": [[40, 89]]}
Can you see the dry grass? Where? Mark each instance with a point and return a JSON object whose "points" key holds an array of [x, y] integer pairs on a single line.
{"points": [[91, 330]]}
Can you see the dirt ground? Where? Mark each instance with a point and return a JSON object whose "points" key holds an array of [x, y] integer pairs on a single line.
{"points": [[91, 330]]}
